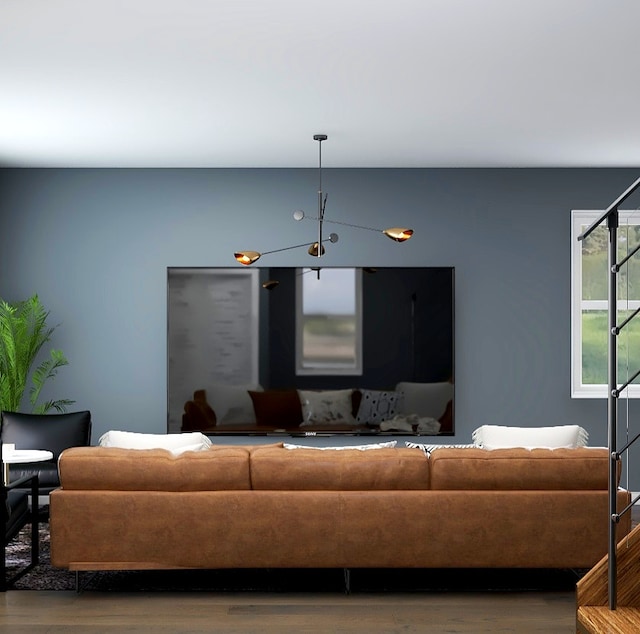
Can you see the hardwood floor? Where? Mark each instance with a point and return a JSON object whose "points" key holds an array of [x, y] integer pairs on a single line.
{"points": [[34, 612]]}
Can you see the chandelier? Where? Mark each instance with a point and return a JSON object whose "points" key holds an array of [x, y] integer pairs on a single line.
{"points": [[316, 248]]}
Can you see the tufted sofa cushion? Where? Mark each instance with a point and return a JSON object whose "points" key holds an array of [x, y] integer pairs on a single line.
{"points": [[114, 469], [277, 469], [520, 469]]}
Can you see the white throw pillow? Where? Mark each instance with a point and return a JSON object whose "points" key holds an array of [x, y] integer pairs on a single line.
{"points": [[379, 445], [424, 399], [326, 407], [175, 443], [232, 403], [500, 437]]}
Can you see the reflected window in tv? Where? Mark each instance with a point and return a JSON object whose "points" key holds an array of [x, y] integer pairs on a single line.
{"points": [[329, 321]]}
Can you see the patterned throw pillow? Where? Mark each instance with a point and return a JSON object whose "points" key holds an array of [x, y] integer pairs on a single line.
{"points": [[428, 449], [379, 445], [376, 406], [326, 407]]}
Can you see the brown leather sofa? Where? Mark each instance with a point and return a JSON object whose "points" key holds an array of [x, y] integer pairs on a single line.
{"points": [[267, 506]]}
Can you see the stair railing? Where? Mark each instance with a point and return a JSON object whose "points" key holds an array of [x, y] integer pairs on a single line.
{"points": [[611, 216]]}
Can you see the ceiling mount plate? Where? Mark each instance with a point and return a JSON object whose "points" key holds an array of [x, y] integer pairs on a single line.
{"points": [[320, 137]]}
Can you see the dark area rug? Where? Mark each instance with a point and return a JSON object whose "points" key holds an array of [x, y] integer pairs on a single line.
{"points": [[46, 577]]}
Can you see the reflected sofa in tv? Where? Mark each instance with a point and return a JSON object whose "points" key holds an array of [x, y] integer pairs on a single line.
{"points": [[272, 507], [228, 409]]}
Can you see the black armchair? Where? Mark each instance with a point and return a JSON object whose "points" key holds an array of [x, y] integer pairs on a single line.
{"points": [[16, 513], [53, 432]]}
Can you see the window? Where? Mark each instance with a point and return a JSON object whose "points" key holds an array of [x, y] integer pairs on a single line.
{"points": [[329, 321], [589, 305]]}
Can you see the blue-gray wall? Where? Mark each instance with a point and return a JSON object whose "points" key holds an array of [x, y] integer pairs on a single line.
{"points": [[95, 245]]}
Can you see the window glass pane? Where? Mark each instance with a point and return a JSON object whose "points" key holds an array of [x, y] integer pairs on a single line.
{"points": [[589, 329], [594, 264], [595, 342], [629, 275], [628, 347], [594, 346]]}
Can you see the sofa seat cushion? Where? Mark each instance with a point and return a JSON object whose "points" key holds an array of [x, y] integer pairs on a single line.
{"points": [[116, 469], [582, 468], [280, 469]]}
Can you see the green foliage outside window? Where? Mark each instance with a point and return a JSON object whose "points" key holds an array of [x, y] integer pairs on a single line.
{"points": [[594, 265], [594, 347], [595, 322]]}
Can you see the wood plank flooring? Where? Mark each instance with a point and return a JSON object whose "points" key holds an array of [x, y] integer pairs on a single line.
{"points": [[37, 612]]}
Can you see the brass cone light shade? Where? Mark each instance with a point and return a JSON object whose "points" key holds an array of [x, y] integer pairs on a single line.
{"points": [[313, 250], [316, 248], [398, 234], [247, 257]]}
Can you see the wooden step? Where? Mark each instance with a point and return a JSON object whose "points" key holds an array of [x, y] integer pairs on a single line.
{"points": [[593, 615], [593, 619], [593, 588]]}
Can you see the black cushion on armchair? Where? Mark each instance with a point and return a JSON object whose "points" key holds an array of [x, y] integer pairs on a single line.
{"points": [[53, 432]]}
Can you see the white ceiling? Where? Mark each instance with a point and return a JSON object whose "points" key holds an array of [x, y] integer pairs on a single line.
{"points": [[246, 83]]}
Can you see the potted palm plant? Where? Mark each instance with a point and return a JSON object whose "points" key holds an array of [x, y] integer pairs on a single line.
{"points": [[23, 333]]}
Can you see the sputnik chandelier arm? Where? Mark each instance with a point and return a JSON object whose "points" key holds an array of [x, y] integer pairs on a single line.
{"points": [[316, 249], [249, 257], [399, 234]]}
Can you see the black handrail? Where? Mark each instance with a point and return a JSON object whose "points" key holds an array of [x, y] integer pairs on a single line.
{"points": [[611, 215], [610, 209]]}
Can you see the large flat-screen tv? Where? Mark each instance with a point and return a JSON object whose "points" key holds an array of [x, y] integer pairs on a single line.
{"points": [[298, 351]]}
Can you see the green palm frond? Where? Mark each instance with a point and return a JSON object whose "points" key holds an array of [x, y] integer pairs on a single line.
{"points": [[59, 405], [23, 333], [46, 370]]}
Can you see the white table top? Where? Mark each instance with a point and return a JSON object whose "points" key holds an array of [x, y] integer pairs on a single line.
{"points": [[20, 456]]}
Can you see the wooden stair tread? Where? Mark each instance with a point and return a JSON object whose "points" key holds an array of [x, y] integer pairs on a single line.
{"points": [[592, 619], [592, 589]]}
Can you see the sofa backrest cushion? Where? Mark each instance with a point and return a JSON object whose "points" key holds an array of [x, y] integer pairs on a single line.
{"points": [[520, 469], [115, 469], [280, 469]]}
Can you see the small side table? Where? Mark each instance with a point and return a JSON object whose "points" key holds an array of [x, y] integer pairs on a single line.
{"points": [[22, 456]]}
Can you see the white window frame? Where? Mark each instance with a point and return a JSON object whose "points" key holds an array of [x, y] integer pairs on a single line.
{"points": [[343, 370], [580, 220]]}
